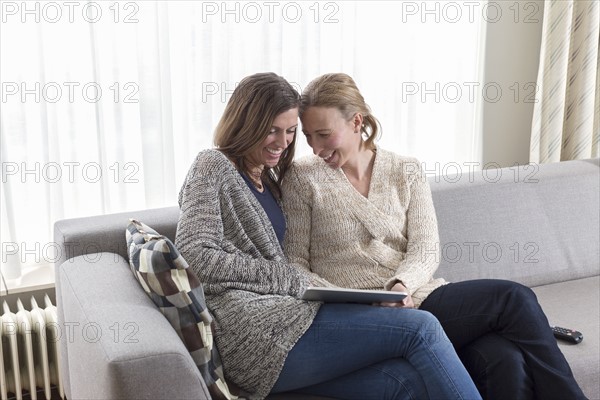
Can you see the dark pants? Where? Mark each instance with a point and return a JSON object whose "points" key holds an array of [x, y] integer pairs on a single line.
{"points": [[503, 337]]}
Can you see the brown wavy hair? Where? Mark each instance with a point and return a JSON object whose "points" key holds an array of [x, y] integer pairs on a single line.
{"points": [[338, 90], [247, 121]]}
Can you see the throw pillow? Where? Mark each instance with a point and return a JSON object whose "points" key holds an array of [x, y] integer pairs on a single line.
{"points": [[175, 289]]}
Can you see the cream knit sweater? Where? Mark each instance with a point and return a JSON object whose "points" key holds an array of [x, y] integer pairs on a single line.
{"points": [[358, 242]]}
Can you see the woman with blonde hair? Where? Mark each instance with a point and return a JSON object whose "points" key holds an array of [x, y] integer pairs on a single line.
{"points": [[230, 231], [363, 217]]}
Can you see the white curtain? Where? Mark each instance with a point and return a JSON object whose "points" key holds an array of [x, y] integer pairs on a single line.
{"points": [[566, 118], [105, 105]]}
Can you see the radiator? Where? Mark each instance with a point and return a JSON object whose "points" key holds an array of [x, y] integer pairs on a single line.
{"points": [[29, 352]]}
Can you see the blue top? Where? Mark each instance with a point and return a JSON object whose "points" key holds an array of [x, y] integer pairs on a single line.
{"points": [[271, 207]]}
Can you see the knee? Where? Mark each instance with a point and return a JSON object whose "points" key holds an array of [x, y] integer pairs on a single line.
{"points": [[522, 293], [426, 326], [421, 319], [516, 291], [424, 316]]}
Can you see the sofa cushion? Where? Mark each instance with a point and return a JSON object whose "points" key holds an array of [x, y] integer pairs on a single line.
{"points": [[576, 304], [174, 288]]}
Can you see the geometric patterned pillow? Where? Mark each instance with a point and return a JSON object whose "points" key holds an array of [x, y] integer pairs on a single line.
{"points": [[166, 278]]}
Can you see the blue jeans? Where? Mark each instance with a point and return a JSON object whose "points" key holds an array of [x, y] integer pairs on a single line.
{"points": [[504, 340], [365, 352]]}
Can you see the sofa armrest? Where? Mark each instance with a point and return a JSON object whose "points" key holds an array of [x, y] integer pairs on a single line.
{"points": [[117, 342]]}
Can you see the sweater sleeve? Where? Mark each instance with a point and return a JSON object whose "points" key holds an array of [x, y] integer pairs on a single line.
{"points": [[204, 240], [298, 213], [422, 255]]}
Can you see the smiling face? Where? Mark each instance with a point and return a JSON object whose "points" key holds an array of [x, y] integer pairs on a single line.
{"points": [[332, 137], [279, 138]]}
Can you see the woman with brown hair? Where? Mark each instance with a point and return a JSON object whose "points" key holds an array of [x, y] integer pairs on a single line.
{"points": [[230, 231]]}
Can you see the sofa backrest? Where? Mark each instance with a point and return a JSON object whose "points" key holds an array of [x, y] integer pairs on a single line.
{"points": [[536, 224], [532, 224]]}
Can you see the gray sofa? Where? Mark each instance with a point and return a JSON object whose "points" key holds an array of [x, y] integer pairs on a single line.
{"points": [[538, 225]]}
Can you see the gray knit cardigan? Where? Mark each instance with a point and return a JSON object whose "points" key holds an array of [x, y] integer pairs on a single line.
{"points": [[227, 239]]}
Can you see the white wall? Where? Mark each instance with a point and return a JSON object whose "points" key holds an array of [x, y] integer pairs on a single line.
{"points": [[511, 59]]}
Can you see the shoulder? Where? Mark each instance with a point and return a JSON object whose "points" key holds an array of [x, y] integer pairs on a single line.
{"points": [[304, 169], [401, 168], [302, 179], [210, 170], [394, 158], [210, 173], [211, 164], [308, 164], [213, 159], [400, 165]]}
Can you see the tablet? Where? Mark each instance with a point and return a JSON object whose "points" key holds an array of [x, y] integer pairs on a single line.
{"points": [[342, 295]]}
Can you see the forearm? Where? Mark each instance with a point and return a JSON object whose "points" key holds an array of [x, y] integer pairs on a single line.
{"points": [[241, 271], [422, 251], [418, 268], [316, 280]]}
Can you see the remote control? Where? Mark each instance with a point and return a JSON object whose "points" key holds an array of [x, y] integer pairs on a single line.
{"points": [[566, 334]]}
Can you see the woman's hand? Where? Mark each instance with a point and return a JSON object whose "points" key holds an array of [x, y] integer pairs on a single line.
{"points": [[407, 302]]}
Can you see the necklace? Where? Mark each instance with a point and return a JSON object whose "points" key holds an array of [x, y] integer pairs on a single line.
{"points": [[255, 177]]}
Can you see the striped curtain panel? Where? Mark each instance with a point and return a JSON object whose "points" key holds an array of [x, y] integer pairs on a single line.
{"points": [[567, 109]]}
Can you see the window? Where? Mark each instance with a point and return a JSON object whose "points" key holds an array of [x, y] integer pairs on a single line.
{"points": [[105, 104]]}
